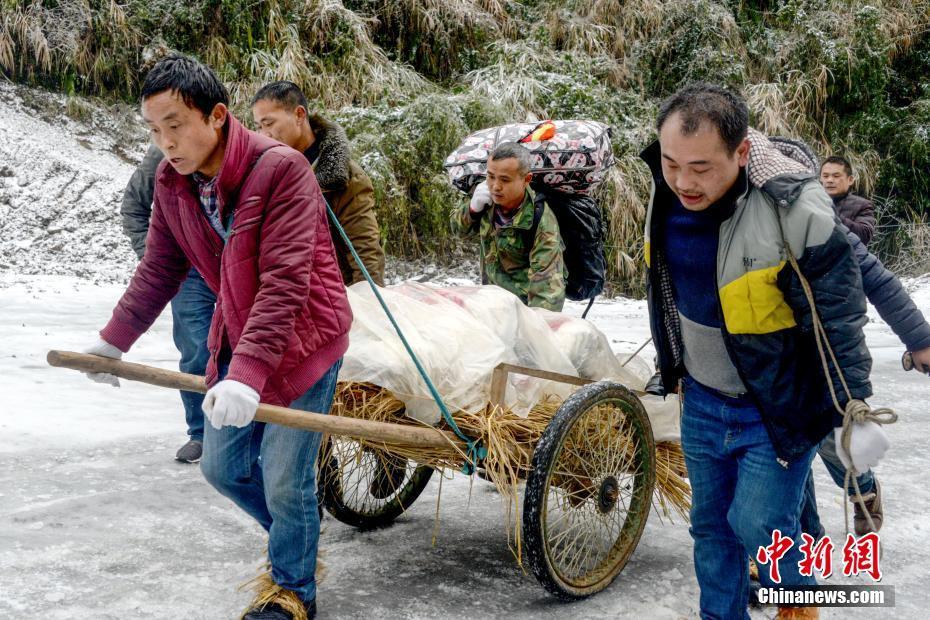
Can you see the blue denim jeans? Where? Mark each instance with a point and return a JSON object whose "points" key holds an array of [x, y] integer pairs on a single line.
{"points": [[810, 519], [740, 494], [269, 471], [192, 312]]}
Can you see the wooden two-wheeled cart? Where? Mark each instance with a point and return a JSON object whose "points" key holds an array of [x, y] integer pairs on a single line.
{"points": [[589, 482]]}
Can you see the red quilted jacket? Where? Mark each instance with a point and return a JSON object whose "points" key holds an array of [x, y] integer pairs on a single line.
{"points": [[281, 303]]}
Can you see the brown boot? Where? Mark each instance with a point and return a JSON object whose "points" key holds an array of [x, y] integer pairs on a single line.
{"points": [[754, 584], [873, 503], [797, 613]]}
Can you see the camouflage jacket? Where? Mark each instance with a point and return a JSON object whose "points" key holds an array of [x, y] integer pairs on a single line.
{"points": [[534, 274]]}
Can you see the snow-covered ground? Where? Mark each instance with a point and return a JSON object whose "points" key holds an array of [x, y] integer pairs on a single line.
{"points": [[98, 521]]}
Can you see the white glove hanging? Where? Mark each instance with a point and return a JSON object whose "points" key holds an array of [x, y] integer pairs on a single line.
{"points": [[867, 445]]}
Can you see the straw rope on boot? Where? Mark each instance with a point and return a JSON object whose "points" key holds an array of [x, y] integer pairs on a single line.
{"points": [[319, 575], [267, 592], [856, 411]]}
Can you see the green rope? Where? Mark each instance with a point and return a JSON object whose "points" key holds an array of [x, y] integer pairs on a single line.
{"points": [[475, 450]]}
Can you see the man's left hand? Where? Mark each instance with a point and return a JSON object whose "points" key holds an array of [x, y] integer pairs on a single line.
{"points": [[921, 360], [230, 403]]}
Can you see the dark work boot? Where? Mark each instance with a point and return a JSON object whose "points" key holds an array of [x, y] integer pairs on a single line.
{"points": [[273, 611], [654, 385], [873, 503], [190, 452], [273, 602]]}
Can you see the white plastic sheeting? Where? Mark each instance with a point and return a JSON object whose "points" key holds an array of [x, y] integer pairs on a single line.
{"points": [[460, 334]]}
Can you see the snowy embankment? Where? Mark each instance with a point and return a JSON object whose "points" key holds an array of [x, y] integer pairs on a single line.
{"points": [[61, 183], [98, 521]]}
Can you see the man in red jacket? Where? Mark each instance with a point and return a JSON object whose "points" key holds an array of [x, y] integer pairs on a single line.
{"points": [[247, 213]]}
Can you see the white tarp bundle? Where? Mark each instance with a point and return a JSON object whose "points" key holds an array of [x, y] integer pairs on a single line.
{"points": [[460, 334]]}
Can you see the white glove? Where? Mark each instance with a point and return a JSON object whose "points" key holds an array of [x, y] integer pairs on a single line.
{"points": [[480, 198], [103, 349], [230, 403], [867, 445]]}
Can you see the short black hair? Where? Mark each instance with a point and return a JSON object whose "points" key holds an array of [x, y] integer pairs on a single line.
{"points": [[284, 92], [700, 102], [837, 159], [194, 81], [508, 150]]}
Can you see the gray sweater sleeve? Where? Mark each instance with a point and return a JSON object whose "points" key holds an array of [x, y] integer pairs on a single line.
{"points": [[137, 200]]}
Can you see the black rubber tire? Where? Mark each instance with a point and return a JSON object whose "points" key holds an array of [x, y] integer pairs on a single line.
{"points": [[542, 478], [380, 511]]}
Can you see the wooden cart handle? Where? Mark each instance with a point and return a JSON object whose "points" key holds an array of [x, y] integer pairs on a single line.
{"points": [[384, 432]]}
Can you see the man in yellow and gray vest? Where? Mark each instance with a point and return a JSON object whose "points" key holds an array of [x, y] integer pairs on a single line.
{"points": [[731, 322]]}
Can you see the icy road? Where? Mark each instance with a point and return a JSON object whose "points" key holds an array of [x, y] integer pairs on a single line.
{"points": [[98, 521]]}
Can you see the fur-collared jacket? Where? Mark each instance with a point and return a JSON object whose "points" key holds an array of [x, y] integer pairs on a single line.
{"points": [[349, 192]]}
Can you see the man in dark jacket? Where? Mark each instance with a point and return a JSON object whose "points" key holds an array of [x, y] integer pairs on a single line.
{"points": [[247, 213], [191, 309], [856, 213], [730, 321], [898, 310], [280, 112]]}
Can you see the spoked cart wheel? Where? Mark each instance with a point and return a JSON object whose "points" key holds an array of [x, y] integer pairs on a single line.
{"points": [[365, 487], [590, 490]]}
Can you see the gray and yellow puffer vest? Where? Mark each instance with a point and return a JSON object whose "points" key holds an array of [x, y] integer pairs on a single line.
{"points": [[766, 317]]}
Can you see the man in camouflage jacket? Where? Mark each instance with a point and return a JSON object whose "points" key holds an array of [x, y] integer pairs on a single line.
{"points": [[521, 248]]}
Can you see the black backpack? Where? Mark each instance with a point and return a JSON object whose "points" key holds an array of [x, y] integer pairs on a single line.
{"points": [[582, 230]]}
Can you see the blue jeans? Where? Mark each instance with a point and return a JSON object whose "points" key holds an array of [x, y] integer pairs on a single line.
{"points": [[740, 494], [810, 519], [192, 312], [269, 471]]}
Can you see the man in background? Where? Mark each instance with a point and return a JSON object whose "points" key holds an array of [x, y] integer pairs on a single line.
{"points": [[856, 213], [521, 247], [280, 111]]}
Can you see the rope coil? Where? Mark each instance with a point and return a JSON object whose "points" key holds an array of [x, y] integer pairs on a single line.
{"points": [[855, 411]]}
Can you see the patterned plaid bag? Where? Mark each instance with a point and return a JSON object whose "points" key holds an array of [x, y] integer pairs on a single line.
{"points": [[571, 157]]}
